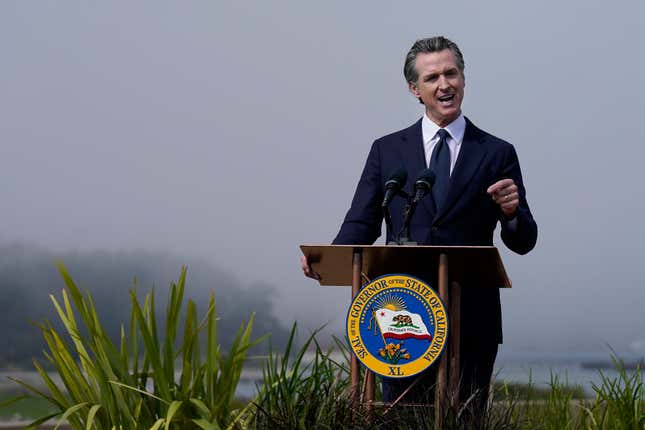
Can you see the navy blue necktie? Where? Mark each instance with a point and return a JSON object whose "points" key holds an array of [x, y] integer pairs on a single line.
{"points": [[440, 164]]}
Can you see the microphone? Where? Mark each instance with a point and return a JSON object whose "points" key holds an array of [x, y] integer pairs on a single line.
{"points": [[393, 185], [423, 185]]}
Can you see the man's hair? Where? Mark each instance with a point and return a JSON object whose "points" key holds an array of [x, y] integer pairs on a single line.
{"points": [[431, 44]]}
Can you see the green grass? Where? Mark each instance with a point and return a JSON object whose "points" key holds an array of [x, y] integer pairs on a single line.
{"points": [[299, 394], [132, 383]]}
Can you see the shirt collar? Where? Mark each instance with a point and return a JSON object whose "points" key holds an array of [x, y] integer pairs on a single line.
{"points": [[457, 128]]}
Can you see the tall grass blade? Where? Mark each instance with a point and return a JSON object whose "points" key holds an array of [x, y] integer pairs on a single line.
{"points": [[90, 416]]}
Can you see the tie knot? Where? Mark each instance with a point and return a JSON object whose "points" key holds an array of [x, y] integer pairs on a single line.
{"points": [[443, 134]]}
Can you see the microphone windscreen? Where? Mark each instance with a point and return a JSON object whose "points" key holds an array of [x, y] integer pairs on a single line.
{"points": [[426, 177], [397, 178]]}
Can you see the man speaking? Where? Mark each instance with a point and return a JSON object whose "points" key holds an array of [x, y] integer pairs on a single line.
{"points": [[478, 184]]}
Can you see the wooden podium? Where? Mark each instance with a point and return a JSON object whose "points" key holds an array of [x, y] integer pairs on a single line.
{"points": [[443, 267]]}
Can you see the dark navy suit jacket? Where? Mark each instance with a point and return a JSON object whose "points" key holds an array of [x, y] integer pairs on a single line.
{"points": [[468, 215]]}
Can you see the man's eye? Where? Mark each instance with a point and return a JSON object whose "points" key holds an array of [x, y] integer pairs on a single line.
{"points": [[430, 78]]}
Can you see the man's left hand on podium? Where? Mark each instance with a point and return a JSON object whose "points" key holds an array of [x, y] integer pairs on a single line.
{"points": [[307, 270]]}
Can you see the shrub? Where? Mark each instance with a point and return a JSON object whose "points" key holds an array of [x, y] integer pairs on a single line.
{"points": [[134, 385]]}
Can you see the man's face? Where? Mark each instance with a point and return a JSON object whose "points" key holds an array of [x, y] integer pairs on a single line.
{"points": [[440, 86]]}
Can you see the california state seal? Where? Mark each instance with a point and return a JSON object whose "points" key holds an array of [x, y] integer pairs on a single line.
{"points": [[397, 326]]}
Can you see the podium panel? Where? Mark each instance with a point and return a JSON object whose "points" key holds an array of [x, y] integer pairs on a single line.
{"points": [[476, 265]]}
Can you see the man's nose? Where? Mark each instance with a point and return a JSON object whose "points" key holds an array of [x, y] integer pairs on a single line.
{"points": [[443, 83]]}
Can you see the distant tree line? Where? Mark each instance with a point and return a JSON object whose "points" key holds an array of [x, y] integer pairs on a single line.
{"points": [[28, 276]]}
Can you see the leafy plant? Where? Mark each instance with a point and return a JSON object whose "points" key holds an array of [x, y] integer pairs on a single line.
{"points": [[620, 403], [305, 391], [134, 384]]}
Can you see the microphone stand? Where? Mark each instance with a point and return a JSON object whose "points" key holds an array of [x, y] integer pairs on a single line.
{"points": [[422, 187], [388, 218], [404, 235]]}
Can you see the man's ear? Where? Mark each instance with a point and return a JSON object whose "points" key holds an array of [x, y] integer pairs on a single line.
{"points": [[414, 90]]}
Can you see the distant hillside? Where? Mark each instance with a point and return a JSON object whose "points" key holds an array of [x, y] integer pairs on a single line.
{"points": [[28, 276]]}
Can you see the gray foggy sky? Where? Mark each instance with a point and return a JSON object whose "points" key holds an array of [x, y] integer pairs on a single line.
{"points": [[236, 131]]}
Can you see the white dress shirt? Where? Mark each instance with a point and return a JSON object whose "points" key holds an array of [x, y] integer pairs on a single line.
{"points": [[456, 129]]}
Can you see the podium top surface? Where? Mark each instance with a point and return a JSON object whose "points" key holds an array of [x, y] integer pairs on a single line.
{"points": [[481, 265]]}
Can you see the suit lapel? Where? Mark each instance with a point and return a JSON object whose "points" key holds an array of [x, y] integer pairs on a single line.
{"points": [[470, 156]]}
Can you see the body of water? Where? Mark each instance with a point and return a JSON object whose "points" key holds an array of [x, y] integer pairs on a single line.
{"points": [[511, 367], [570, 368]]}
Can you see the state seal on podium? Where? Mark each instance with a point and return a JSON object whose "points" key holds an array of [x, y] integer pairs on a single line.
{"points": [[397, 326]]}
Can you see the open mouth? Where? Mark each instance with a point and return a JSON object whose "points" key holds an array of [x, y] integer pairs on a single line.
{"points": [[446, 98]]}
